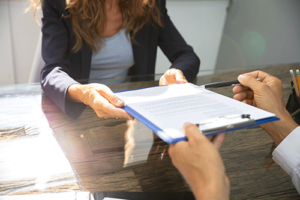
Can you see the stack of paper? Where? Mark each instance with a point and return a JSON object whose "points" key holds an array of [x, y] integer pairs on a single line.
{"points": [[164, 109]]}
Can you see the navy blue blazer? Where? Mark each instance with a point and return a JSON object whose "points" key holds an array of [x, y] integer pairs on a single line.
{"points": [[62, 67]]}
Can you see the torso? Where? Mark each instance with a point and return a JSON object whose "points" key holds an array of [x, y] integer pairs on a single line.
{"points": [[113, 59]]}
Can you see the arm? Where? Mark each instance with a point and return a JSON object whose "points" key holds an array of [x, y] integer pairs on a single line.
{"points": [[200, 163], [176, 49], [55, 79], [70, 96], [268, 95]]}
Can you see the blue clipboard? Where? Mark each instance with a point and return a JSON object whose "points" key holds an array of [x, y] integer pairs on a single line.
{"points": [[165, 137]]}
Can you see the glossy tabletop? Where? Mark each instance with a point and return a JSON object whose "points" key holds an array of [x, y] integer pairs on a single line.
{"points": [[42, 150]]}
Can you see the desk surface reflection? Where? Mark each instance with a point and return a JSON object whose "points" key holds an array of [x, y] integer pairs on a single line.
{"points": [[116, 155]]}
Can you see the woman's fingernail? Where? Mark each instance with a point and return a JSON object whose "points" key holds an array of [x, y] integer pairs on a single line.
{"points": [[241, 77], [119, 102], [180, 82]]}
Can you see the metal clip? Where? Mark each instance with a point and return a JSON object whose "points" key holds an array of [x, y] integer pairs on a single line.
{"points": [[225, 122]]}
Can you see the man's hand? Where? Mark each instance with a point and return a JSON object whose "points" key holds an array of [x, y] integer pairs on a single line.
{"points": [[100, 98], [266, 94], [257, 93], [172, 76], [200, 163]]}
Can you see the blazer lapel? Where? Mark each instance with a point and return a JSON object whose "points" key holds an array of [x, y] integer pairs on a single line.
{"points": [[86, 59], [80, 61], [140, 50]]}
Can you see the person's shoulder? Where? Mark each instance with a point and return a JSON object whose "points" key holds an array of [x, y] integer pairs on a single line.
{"points": [[162, 3], [58, 5]]}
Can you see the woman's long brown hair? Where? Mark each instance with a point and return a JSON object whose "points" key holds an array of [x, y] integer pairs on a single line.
{"points": [[88, 18]]}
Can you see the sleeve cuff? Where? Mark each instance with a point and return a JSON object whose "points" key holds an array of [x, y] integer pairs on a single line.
{"points": [[73, 109], [286, 155]]}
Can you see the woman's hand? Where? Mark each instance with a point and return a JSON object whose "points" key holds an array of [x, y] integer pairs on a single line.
{"points": [[100, 98], [266, 94], [200, 163], [172, 76]]}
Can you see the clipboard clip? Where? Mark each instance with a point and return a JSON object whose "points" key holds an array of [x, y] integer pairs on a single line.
{"points": [[225, 122]]}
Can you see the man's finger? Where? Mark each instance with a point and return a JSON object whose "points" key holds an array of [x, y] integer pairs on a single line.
{"points": [[210, 137], [244, 95], [218, 139], [192, 133], [177, 152], [258, 74], [239, 88], [250, 81], [177, 148], [248, 101]]}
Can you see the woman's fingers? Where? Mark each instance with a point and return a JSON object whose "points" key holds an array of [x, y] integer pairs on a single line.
{"points": [[169, 78], [108, 110], [103, 107], [172, 76], [103, 101], [110, 96], [179, 77]]}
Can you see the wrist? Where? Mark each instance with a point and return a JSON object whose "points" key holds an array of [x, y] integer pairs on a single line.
{"points": [[75, 92], [217, 188], [283, 127]]}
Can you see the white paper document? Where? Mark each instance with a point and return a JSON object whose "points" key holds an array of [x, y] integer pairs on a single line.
{"points": [[169, 107]]}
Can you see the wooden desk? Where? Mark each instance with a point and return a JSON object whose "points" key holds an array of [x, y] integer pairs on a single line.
{"points": [[121, 155]]}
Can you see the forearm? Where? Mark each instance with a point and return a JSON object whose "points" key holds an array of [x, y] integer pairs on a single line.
{"points": [[179, 53], [218, 188], [282, 128], [75, 93], [189, 64], [55, 83]]}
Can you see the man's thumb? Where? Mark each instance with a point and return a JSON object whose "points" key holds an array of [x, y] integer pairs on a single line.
{"points": [[249, 81]]}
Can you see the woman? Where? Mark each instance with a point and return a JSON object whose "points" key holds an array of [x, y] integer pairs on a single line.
{"points": [[86, 39]]}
